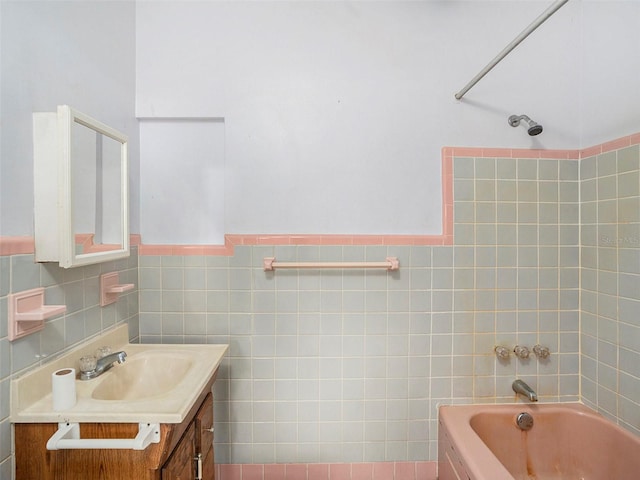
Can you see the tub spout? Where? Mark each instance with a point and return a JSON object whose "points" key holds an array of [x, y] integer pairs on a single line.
{"points": [[523, 389]]}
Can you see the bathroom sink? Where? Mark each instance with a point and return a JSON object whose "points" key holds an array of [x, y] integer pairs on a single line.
{"points": [[157, 383], [143, 376]]}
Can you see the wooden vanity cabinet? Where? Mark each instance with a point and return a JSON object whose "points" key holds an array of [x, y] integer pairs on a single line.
{"points": [[193, 457], [204, 439], [181, 465], [182, 449]]}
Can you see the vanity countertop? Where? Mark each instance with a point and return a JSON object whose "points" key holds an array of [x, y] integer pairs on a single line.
{"points": [[31, 397]]}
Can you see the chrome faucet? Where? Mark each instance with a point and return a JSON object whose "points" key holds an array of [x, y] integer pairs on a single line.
{"points": [[522, 388], [101, 365]]}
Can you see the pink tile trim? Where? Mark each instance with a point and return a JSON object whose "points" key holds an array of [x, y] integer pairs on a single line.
{"points": [[16, 245], [405, 470], [466, 152], [560, 154], [495, 152], [362, 471], [294, 471], [383, 471], [524, 153], [318, 471], [274, 471], [229, 472], [479, 152], [426, 470], [340, 471], [26, 245], [332, 471], [253, 472], [616, 144], [591, 151]]}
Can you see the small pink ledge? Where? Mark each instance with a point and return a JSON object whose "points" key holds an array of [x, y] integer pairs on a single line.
{"points": [[110, 288], [27, 312]]}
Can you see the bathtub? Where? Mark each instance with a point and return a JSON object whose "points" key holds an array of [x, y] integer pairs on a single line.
{"points": [[567, 442]]}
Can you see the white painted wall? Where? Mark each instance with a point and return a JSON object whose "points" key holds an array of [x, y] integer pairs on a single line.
{"points": [[183, 178], [610, 71], [336, 112], [62, 52]]}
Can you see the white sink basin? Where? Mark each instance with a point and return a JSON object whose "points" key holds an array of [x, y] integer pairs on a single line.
{"points": [[156, 383], [144, 375]]}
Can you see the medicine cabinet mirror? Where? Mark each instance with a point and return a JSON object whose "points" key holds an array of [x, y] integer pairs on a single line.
{"points": [[81, 189]]}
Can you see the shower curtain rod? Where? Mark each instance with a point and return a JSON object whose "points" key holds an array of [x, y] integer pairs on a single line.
{"points": [[524, 34]]}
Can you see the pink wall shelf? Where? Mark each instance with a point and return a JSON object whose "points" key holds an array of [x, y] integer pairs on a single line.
{"points": [[27, 312], [110, 288]]}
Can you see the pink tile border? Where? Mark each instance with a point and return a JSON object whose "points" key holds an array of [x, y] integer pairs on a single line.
{"points": [[272, 472], [24, 245], [317, 471], [229, 472], [253, 472], [383, 470], [616, 144], [480, 152], [16, 245], [329, 471]]}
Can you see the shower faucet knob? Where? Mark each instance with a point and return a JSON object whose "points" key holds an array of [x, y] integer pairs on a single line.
{"points": [[541, 352], [502, 352], [521, 352]]}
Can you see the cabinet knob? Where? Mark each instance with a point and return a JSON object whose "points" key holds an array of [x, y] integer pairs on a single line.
{"points": [[208, 429]]}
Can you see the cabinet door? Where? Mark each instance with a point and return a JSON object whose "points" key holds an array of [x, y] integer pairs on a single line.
{"points": [[204, 437], [180, 465]]}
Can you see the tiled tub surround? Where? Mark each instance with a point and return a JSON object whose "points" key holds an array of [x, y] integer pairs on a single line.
{"points": [[79, 290], [610, 278], [348, 365]]}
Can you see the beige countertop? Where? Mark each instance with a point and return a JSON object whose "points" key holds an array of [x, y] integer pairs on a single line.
{"points": [[31, 397]]}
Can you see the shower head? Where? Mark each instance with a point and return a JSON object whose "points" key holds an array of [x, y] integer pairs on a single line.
{"points": [[534, 128]]}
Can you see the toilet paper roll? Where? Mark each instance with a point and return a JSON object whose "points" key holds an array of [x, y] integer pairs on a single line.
{"points": [[63, 388]]}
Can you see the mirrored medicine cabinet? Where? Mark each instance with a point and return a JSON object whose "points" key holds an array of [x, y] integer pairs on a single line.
{"points": [[81, 201]]}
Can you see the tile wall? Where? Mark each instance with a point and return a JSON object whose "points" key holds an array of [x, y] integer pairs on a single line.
{"points": [[350, 365], [610, 327], [78, 289]]}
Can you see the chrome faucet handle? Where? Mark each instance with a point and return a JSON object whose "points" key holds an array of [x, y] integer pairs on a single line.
{"points": [[103, 351], [541, 352], [502, 352], [88, 363], [521, 352]]}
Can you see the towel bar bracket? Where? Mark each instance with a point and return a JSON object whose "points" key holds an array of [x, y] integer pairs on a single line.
{"points": [[67, 437]]}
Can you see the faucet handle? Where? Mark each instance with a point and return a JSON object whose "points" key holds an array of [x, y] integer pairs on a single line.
{"points": [[521, 352], [103, 351], [541, 352], [502, 352], [88, 363]]}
